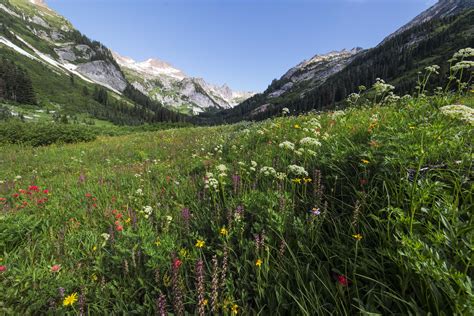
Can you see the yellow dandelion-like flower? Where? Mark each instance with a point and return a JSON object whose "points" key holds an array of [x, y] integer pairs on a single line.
{"points": [[158, 242], [296, 180], [307, 180], [128, 220], [205, 302], [259, 262], [200, 243], [235, 309], [94, 277], [94, 248], [296, 126], [70, 300], [224, 231], [365, 161], [357, 237]]}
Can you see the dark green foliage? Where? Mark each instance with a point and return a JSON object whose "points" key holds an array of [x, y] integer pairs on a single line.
{"points": [[15, 83], [37, 134]]}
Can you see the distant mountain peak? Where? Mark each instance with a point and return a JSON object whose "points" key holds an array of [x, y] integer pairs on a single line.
{"points": [[172, 87], [150, 67]]}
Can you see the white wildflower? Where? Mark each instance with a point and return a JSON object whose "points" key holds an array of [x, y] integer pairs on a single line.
{"points": [[309, 141], [287, 145], [297, 170], [461, 112]]}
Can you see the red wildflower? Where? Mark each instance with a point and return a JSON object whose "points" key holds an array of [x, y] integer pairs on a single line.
{"points": [[114, 212], [177, 263], [3, 268], [3, 200], [46, 191], [342, 280], [33, 188], [94, 205], [55, 268], [88, 195], [15, 195], [118, 216], [119, 228]]}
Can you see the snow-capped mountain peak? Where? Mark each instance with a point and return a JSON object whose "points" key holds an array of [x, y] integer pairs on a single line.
{"points": [[172, 87], [150, 67]]}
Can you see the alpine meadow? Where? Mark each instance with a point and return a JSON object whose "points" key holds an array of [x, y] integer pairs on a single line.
{"points": [[133, 188]]}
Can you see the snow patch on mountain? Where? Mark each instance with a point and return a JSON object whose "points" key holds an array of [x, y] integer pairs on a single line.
{"points": [[172, 87]]}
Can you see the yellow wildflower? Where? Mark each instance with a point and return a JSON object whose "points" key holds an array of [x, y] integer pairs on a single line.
{"points": [[200, 243], [259, 262], [94, 248], [296, 180], [296, 126], [235, 309], [365, 161], [307, 180], [70, 300], [128, 220], [205, 302], [224, 231], [94, 277], [158, 242], [357, 237]]}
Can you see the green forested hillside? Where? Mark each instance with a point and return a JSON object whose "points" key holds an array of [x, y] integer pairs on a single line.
{"points": [[396, 60]]}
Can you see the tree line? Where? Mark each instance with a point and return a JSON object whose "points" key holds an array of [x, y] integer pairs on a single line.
{"points": [[15, 83]]}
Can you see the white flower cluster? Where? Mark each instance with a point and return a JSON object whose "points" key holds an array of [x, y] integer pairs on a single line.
{"points": [[465, 64], [253, 165], [381, 87], [287, 145], [285, 111], [268, 171], [391, 98], [338, 113], [309, 141], [211, 182], [222, 169], [147, 210], [139, 192], [297, 170], [464, 53], [313, 123], [461, 112], [432, 69], [105, 236], [218, 149]]}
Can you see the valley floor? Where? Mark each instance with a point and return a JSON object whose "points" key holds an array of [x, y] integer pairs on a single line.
{"points": [[363, 210]]}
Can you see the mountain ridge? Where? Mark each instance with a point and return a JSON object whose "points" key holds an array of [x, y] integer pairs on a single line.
{"points": [[172, 87], [431, 37]]}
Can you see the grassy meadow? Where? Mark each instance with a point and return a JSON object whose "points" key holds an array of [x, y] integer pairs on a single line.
{"points": [[362, 211]]}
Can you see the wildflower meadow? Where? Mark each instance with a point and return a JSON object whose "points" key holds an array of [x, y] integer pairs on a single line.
{"points": [[362, 210]]}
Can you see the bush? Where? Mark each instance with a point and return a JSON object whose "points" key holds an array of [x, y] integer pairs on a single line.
{"points": [[41, 134]]}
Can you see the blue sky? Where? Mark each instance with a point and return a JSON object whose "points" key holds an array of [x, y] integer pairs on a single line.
{"points": [[244, 43]]}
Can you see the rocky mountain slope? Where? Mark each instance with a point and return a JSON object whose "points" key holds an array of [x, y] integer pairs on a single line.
{"points": [[324, 81], [50, 39], [174, 89], [71, 74]]}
